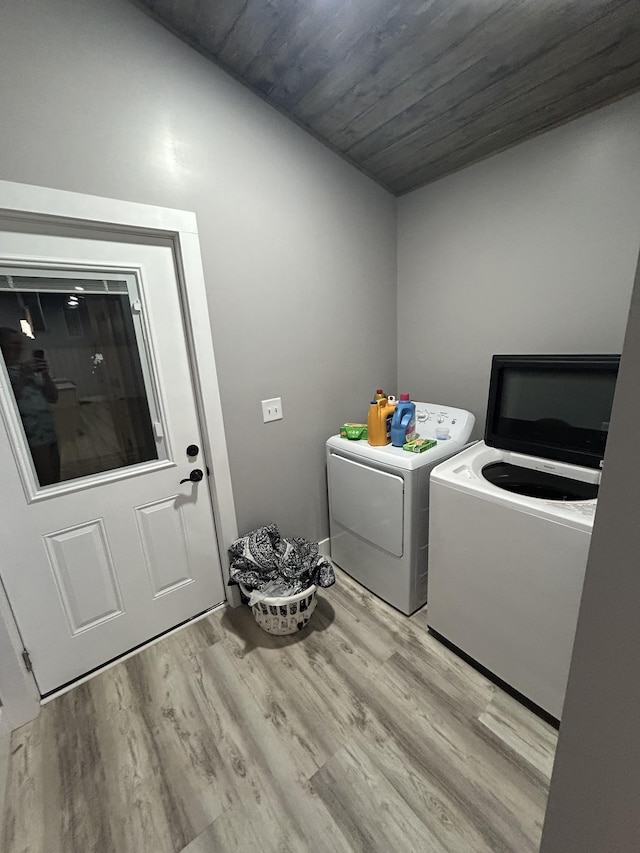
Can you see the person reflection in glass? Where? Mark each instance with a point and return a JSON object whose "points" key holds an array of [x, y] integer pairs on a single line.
{"points": [[35, 395]]}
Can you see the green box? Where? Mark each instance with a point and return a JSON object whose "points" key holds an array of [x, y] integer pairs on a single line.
{"points": [[418, 445]]}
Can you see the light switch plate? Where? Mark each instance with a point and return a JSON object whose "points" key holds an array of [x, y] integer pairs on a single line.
{"points": [[272, 409]]}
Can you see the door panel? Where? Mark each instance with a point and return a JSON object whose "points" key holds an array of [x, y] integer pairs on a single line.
{"points": [[165, 545], [111, 550], [85, 576]]}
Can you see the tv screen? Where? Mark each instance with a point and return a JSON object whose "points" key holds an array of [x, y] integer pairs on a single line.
{"points": [[552, 406]]}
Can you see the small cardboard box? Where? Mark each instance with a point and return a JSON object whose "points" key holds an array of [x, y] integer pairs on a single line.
{"points": [[418, 445], [353, 431]]}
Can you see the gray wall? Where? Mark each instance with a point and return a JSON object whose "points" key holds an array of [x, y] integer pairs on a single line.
{"points": [[298, 247], [595, 789], [533, 250]]}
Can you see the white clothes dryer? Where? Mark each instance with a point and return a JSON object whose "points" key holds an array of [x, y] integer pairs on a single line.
{"points": [[506, 569], [379, 506]]}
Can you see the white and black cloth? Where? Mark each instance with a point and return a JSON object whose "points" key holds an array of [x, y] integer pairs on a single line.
{"points": [[263, 556]]}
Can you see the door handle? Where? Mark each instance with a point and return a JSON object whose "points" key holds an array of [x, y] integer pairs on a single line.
{"points": [[194, 477]]}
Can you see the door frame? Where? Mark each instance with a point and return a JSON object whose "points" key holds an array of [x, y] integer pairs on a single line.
{"points": [[45, 206]]}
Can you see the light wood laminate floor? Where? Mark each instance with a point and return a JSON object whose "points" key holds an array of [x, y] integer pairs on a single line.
{"points": [[361, 733]]}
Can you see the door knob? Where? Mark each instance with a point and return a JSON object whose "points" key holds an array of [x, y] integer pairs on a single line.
{"points": [[194, 477]]}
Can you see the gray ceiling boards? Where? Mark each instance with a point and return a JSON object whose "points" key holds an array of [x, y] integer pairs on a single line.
{"points": [[410, 91]]}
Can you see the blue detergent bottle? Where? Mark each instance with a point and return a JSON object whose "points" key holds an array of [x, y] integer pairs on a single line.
{"points": [[403, 423]]}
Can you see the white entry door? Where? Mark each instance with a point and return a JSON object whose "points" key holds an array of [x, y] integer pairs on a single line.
{"points": [[102, 547]]}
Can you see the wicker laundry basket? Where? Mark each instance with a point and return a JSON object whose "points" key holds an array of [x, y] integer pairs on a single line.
{"points": [[285, 614]]}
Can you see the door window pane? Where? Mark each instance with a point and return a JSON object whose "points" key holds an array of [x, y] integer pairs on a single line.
{"points": [[71, 350]]}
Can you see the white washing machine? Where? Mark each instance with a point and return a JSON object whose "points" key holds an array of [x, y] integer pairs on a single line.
{"points": [[379, 506], [506, 569]]}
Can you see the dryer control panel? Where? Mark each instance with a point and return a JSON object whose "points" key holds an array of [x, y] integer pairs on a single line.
{"points": [[443, 423]]}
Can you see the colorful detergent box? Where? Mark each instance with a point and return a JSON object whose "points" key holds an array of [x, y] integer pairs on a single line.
{"points": [[353, 431], [417, 445]]}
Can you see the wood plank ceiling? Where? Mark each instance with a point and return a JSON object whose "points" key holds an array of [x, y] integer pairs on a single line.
{"points": [[411, 90]]}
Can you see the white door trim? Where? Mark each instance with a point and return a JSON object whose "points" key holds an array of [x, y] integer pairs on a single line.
{"points": [[43, 205]]}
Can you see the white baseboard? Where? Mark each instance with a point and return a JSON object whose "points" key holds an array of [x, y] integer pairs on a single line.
{"points": [[324, 547], [5, 742]]}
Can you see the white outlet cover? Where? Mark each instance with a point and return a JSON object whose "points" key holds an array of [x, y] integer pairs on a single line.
{"points": [[272, 409]]}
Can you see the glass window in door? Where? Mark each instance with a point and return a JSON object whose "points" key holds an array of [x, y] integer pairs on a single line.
{"points": [[74, 354]]}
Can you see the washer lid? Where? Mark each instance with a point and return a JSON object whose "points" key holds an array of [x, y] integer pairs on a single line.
{"points": [[464, 473], [538, 484]]}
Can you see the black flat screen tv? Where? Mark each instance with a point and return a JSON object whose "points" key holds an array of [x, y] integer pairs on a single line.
{"points": [[552, 406]]}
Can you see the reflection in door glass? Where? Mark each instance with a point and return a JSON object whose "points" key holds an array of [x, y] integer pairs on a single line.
{"points": [[76, 375]]}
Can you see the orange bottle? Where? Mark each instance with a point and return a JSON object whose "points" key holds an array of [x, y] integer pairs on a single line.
{"points": [[379, 422]]}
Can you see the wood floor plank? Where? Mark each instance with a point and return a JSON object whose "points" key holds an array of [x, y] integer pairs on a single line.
{"points": [[282, 821], [360, 730], [27, 794], [284, 689], [504, 803], [370, 812], [274, 757], [381, 624], [81, 772], [362, 699], [452, 829], [495, 788], [305, 660], [531, 739], [200, 635], [185, 738], [138, 796], [170, 770], [516, 730], [100, 746], [249, 826], [366, 623]]}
